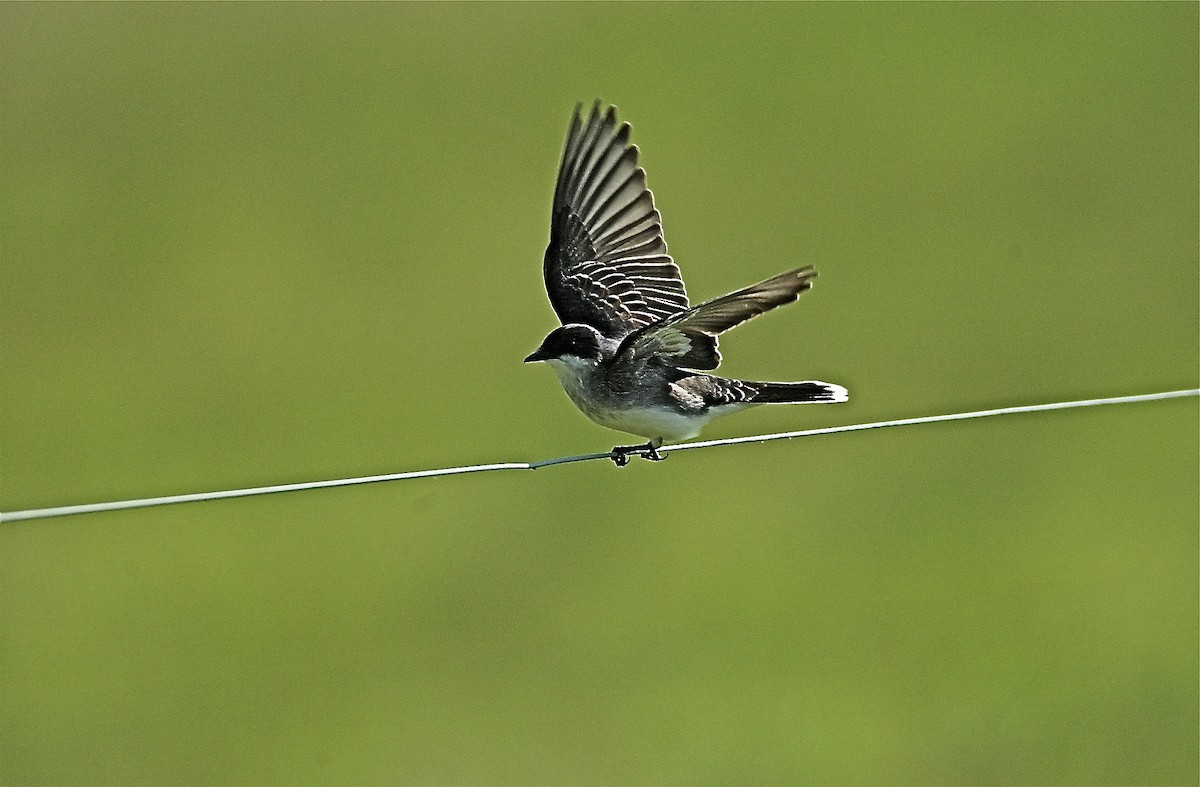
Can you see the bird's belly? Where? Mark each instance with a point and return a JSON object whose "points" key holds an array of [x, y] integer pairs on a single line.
{"points": [[655, 423]]}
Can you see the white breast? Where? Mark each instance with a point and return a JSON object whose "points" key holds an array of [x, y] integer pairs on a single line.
{"points": [[655, 423]]}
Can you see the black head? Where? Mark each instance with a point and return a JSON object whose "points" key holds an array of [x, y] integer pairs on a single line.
{"points": [[579, 341]]}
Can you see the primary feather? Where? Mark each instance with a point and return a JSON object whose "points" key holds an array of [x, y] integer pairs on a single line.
{"points": [[607, 264]]}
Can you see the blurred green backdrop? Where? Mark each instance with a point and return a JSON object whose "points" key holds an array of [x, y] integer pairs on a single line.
{"points": [[251, 244]]}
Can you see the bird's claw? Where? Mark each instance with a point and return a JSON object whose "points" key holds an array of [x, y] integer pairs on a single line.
{"points": [[621, 453]]}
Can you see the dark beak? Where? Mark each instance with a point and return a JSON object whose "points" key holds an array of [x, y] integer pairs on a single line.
{"points": [[536, 355]]}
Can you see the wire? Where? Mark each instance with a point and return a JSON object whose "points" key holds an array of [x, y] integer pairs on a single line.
{"points": [[118, 505]]}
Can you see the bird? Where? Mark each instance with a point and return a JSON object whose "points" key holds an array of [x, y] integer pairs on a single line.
{"points": [[631, 352]]}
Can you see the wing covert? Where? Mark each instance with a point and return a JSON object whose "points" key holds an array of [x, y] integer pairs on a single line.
{"points": [[688, 340], [607, 264]]}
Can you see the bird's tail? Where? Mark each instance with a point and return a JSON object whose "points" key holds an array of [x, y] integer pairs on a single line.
{"points": [[812, 392]]}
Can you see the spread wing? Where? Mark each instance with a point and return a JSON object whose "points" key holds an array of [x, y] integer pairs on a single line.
{"points": [[689, 340], [607, 264]]}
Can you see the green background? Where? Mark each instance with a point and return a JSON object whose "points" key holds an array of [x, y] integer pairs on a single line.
{"points": [[253, 244]]}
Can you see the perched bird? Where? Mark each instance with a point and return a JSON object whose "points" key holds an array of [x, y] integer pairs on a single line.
{"points": [[630, 347]]}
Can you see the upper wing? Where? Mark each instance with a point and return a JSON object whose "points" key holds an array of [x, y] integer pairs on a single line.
{"points": [[689, 340], [607, 264]]}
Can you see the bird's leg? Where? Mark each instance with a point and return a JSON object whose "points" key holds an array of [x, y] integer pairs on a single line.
{"points": [[621, 453]]}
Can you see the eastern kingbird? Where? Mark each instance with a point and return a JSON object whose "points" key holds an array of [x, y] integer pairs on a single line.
{"points": [[629, 345]]}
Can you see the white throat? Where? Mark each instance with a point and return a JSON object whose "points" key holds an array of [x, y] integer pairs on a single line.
{"points": [[572, 372]]}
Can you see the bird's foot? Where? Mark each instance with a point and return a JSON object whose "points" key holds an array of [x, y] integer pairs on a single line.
{"points": [[621, 453]]}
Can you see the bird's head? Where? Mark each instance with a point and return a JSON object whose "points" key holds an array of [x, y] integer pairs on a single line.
{"points": [[573, 345]]}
